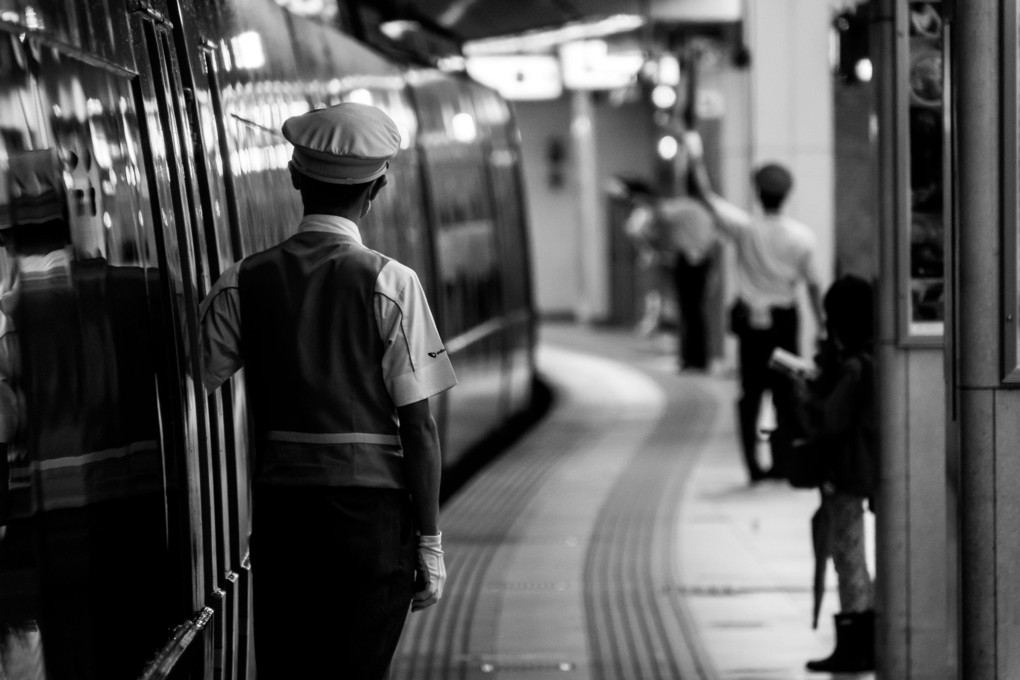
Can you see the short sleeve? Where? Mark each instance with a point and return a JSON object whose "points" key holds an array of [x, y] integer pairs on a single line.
{"points": [[732, 220], [415, 362], [808, 270], [221, 329]]}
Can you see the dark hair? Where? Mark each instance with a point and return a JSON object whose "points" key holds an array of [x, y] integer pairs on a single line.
{"points": [[849, 312], [773, 181], [770, 200], [316, 192]]}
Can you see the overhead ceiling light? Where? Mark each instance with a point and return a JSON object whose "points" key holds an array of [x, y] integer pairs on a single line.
{"points": [[668, 147], [464, 129], [360, 96], [521, 76], [863, 70], [544, 40], [395, 30], [669, 70], [664, 96], [589, 65], [249, 54], [451, 64]]}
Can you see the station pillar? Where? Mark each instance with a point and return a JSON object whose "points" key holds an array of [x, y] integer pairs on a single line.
{"points": [[986, 404], [592, 271], [915, 517]]}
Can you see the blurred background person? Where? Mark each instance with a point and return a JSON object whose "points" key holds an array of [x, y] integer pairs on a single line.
{"points": [[839, 410], [690, 234], [654, 264], [775, 253]]}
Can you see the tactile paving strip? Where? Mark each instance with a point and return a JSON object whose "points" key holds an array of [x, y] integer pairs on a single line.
{"points": [[636, 624]]}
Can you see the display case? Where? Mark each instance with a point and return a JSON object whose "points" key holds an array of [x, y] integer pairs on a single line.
{"points": [[1011, 194], [925, 201]]}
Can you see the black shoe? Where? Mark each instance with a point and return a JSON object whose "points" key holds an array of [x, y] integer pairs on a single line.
{"points": [[855, 645]]}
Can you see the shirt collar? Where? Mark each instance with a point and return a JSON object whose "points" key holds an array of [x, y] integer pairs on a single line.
{"points": [[331, 224]]}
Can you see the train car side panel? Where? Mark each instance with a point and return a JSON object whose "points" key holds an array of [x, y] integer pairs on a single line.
{"points": [[468, 281], [106, 421], [503, 166]]}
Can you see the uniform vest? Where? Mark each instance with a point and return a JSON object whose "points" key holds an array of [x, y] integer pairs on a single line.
{"points": [[313, 365]]}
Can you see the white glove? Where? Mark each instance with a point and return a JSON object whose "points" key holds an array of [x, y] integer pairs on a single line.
{"points": [[432, 570]]}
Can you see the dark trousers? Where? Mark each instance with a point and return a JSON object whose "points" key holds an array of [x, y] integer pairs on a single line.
{"points": [[690, 282], [332, 577], [756, 377]]}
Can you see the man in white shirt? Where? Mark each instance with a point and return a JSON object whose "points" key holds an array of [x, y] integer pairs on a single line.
{"points": [[775, 253]]}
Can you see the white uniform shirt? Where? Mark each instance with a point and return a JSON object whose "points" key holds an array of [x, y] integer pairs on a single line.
{"points": [[415, 363], [774, 254], [688, 227]]}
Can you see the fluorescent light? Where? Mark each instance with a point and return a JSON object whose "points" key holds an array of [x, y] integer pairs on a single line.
{"points": [[248, 51], [523, 76], [664, 96], [395, 30], [453, 63], [863, 70], [464, 129], [668, 148], [541, 41], [360, 96], [669, 70], [588, 65]]}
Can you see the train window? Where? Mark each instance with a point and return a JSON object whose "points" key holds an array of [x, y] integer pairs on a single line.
{"points": [[923, 266], [395, 226], [268, 209], [469, 284], [84, 487]]}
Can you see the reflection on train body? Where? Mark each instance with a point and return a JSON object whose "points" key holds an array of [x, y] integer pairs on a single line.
{"points": [[84, 497], [140, 155]]}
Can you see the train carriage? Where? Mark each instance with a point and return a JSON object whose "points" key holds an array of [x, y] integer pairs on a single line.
{"points": [[140, 155]]}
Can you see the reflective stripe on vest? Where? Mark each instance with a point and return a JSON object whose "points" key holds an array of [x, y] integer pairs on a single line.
{"points": [[310, 459], [121, 472]]}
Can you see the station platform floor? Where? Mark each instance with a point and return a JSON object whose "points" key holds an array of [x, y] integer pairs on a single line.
{"points": [[620, 539]]}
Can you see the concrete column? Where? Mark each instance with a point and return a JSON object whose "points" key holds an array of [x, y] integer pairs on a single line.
{"points": [[989, 412], [913, 580], [592, 269]]}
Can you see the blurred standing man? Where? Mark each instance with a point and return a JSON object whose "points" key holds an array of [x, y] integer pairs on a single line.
{"points": [[341, 354], [774, 254]]}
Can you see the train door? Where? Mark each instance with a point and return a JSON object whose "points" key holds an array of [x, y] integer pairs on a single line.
{"points": [[502, 161], [217, 245], [172, 186], [182, 118], [468, 277], [100, 425]]}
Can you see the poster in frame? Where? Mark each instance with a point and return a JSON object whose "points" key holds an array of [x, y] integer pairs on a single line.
{"points": [[925, 203], [1010, 318]]}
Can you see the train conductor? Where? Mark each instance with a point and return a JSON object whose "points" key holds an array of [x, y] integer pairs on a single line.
{"points": [[341, 354]]}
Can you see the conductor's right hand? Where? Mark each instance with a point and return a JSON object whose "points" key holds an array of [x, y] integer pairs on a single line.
{"points": [[431, 570]]}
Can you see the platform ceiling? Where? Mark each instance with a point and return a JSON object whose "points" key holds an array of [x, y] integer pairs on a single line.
{"points": [[475, 19]]}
